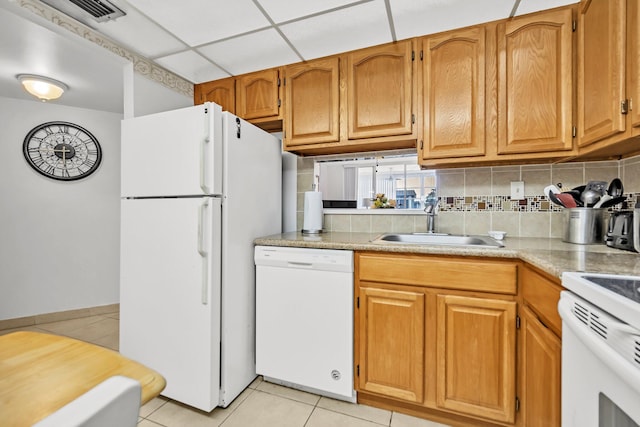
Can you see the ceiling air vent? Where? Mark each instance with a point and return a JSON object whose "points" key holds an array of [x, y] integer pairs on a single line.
{"points": [[98, 10]]}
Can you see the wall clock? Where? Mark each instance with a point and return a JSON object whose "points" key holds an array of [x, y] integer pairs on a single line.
{"points": [[62, 151]]}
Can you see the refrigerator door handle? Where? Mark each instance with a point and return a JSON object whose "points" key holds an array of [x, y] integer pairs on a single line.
{"points": [[203, 165], [202, 230]]}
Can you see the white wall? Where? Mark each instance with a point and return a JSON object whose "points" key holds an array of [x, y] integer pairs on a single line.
{"points": [[144, 96], [59, 241]]}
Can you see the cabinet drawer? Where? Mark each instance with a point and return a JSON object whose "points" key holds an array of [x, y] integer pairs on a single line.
{"points": [[439, 272], [542, 295]]}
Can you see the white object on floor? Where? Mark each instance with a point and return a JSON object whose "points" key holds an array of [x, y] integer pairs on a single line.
{"points": [[113, 402]]}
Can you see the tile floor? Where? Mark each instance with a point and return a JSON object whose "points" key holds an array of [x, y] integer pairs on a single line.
{"points": [[262, 404]]}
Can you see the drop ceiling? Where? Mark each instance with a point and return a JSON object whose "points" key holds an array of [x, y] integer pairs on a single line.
{"points": [[203, 40]]}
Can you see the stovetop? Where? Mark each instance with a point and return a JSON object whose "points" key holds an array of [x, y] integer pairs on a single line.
{"points": [[627, 287], [616, 294]]}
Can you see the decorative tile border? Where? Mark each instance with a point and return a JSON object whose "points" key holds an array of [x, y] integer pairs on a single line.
{"points": [[505, 204], [141, 65]]}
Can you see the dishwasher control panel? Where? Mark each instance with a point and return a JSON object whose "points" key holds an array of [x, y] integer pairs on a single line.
{"points": [[316, 259]]}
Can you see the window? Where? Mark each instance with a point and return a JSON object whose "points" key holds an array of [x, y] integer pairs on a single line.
{"points": [[399, 178]]}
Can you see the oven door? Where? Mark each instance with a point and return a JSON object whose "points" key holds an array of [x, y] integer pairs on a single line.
{"points": [[600, 367]]}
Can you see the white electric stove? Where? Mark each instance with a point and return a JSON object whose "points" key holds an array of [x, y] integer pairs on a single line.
{"points": [[600, 350]]}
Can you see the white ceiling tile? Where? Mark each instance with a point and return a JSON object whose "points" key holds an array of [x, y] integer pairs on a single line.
{"points": [[192, 67], [415, 18], [198, 22], [285, 10], [528, 6], [137, 33], [252, 52], [340, 31]]}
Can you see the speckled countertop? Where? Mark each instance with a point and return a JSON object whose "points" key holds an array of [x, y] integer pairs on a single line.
{"points": [[551, 255]]}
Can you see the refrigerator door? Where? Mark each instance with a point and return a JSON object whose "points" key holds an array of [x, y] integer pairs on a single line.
{"points": [[173, 153], [251, 208], [170, 293]]}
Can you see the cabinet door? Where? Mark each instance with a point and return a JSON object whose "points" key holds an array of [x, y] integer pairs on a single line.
{"points": [[258, 94], [476, 356], [222, 92], [601, 70], [540, 362], [391, 330], [633, 60], [535, 83], [312, 95], [379, 91], [453, 81]]}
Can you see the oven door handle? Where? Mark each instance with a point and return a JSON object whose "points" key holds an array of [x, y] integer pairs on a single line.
{"points": [[611, 358]]}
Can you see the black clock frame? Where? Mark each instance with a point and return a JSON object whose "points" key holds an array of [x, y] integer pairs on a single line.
{"points": [[61, 150]]}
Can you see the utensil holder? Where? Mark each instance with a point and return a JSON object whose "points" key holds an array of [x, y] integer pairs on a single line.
{"points": [[583, 225]]}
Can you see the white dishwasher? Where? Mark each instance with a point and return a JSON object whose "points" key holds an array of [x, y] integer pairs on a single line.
{"points": [[304, 319]]}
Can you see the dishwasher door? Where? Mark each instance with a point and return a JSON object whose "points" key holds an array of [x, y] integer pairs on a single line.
{"points": [[304, 319]]}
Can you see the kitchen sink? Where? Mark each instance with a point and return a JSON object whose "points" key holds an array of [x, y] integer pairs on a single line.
{"points": [[437, 239]]}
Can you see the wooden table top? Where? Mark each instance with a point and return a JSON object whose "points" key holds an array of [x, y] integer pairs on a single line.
{"points": [[40, 373]]}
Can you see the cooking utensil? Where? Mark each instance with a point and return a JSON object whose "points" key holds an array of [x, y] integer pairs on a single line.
{"points": [[590, 197], [615, 188], [602, 200], [576, 196], [614, 201], [597, 186], [567, 200], [554, 199], [579, 188], [552, 188]]}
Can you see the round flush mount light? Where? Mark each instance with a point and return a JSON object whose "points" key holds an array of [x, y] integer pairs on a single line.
{"points": [[43, 88]]}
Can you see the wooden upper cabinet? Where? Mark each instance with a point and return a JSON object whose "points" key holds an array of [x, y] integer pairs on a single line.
{"points": [[601, 70], [476, 352], [633, 22], [258, 94], [453, 94], [222, 92], [380, 91], [535, 83], [391, 342], [313, 102]]}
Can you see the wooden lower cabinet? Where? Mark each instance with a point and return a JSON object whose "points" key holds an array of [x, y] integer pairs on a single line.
{"points": [[539, 373], [476, 363], [539, 349], [392, 342], [432, 342]]}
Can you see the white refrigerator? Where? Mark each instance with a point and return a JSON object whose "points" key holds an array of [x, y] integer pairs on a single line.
{"points": [[198, 186]]}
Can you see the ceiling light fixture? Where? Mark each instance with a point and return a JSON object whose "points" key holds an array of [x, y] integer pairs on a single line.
{"points": [[43, 88]]}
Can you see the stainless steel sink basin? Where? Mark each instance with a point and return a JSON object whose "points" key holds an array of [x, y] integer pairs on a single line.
{"points": [[437, 239]]}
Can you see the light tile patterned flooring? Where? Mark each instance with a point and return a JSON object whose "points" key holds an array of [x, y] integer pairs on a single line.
{"points": [[262, 404]]}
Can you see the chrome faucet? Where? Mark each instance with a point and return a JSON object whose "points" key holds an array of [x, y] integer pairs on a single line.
{"points": [[431, 209]]}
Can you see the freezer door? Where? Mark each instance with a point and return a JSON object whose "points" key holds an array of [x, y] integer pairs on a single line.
{"points": [[170, 293], [173, 153]]}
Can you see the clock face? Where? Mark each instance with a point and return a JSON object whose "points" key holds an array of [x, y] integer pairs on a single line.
{"points": [[62, 150]]}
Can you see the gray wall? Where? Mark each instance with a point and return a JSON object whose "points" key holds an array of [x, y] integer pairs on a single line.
{"points": [[59, 241]]}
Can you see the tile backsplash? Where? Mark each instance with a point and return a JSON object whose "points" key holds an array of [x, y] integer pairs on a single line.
{"points": [[475, 200]]}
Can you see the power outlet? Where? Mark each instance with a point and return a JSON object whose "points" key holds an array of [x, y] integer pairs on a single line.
{"points": [[517, 190]]}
